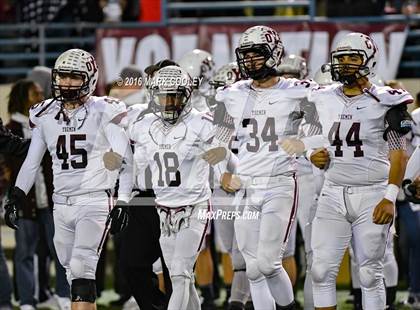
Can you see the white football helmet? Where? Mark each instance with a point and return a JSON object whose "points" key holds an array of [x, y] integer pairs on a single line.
{"points": [[200, 66], [226, 75], [293, 66], [74, 62], [323, 76], [354, 43], [171, 89], [265, 42]]}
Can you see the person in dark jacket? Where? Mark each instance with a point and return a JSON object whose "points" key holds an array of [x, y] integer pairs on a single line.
{"points": [[11, 144], [36, 210]]}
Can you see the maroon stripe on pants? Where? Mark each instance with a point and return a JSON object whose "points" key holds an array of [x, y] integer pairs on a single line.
{"points": [[205, 226], [293, 212], [105, 232]]}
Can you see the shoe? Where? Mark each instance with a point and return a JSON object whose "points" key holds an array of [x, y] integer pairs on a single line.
{"points": [[6, 307], [235, 305], [249, 305], [119, 302], [131, 304], [64, 303], [412, 302], [50, 303], [27, 307]]}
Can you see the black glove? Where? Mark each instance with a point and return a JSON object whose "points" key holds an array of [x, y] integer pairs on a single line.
{"points": [[118, 217], [14, 202], [410, 191]]}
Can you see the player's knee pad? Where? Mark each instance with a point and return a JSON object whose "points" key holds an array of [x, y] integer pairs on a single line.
{"points": [[370, 275], [83, 290], [82, 267], [252, 271], [321, 273], [267, 266]]}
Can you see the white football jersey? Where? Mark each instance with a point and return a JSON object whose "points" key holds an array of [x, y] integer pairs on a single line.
{"points": [[135, 113], [262, 118], [77, 146], [180, 176], [353, 129], [198, 102]]}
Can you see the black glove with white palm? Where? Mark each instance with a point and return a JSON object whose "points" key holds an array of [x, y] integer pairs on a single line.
{"points": [[412, 190], [13, 204], [118, 217]]}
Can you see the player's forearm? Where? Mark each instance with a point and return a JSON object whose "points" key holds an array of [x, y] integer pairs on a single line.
{"points": [[232, 163], [120, 144], [126, 184], [229, 164], [313, 142], [398, 160], [118, 140]]}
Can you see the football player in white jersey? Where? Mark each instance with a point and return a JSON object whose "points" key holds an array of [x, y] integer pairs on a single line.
{"points": [[362, 124], [265, 109], [200, 66], [222, 199], [390, 262], [77, 129], [172, 142]]}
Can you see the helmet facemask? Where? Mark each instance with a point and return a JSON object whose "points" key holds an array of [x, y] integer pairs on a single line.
{"points": [[258, 66], [171, 105], [348, 74], [69, 93]]}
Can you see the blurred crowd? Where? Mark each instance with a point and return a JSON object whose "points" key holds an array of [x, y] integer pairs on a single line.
{"points": [[45, 11]]}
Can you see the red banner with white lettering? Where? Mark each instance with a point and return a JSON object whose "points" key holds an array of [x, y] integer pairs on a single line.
{"points": [[117, 48]]}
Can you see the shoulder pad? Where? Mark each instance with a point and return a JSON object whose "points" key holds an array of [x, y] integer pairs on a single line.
{"points": [[39, 109], [295, 88], [225, 91], [392, 97], [304, 83], [319, 90], [114, 110]]}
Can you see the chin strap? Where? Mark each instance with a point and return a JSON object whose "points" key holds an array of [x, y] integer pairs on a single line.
{"points": [[61, 112]]}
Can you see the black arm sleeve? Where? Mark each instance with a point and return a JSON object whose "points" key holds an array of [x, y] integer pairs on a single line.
{"points": [[398, 120], [11, 144]]}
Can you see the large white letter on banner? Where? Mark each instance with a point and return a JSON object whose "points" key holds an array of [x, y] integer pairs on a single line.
{"points": [[389, 55], [220, 49], [296, 42], [319, 52], [183, 43], [115, 57], [151, 49]]}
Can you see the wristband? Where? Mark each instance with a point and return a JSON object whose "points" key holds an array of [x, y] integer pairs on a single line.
{"points": [[391, 192], [308, 154]]}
